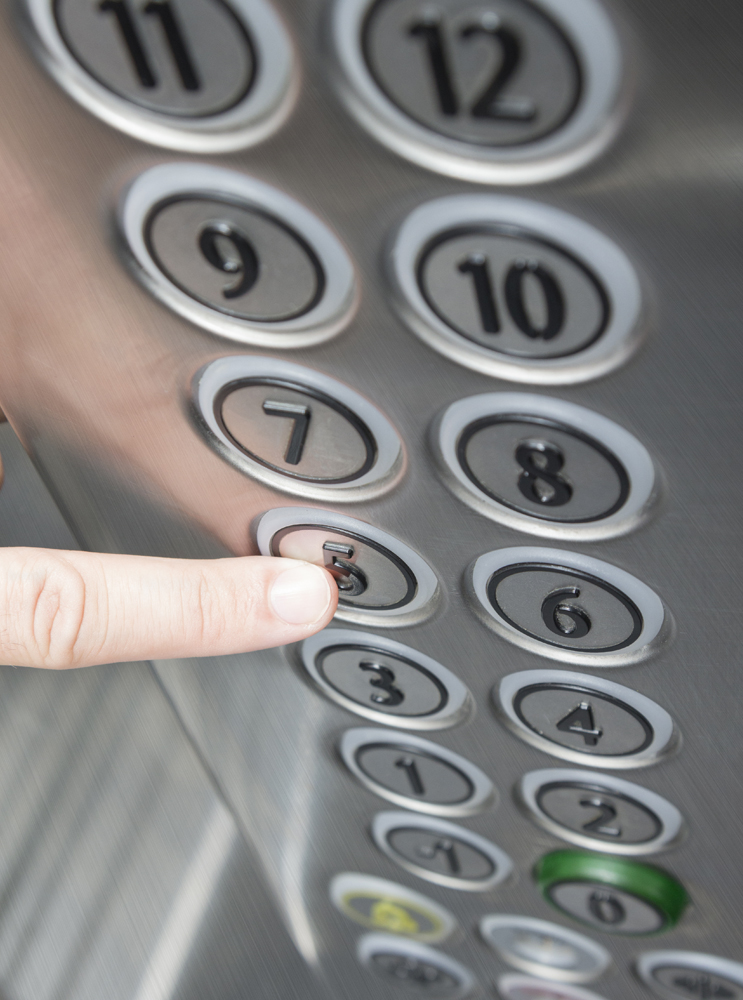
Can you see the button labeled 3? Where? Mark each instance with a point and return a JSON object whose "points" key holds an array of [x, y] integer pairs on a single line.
{"points": [[544, 949], [689, 975], [380, 579], [385, 681], [196, 75], [441, 852], [567, 606], [611, 894], [296, 429], [414, 966], [378, 904], [575, 716], [415, 773], [236, 256], [599, 811]]}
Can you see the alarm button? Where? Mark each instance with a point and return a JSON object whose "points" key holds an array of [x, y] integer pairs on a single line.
{"points": [[378, 904]]}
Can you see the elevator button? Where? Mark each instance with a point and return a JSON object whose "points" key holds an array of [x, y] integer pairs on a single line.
{"points": [[544, 949], [380, 579], [689, 975], [380, 905], [414, 967], [599, 811], [526, 461], [198, 75], [415, 773], [502, 91], [575, 716], [567, 606], [441, 852], [296, 429], [518, 987], [236, 256], [611, 894], [385, 681]]}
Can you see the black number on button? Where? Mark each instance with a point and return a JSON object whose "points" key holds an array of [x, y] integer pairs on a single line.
{"points": [[174, 37], [540, 481], [606, 908], [445, 847], [242, 261], [580, 721], [600, 824], [703, 987], [351, 580], [565, 619], [409, 766], [477, 265], [385, 681], [301, 415]]}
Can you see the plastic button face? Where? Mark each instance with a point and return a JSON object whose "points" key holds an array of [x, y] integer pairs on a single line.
{"points": [[501, 92], [575, 716], [385, 681], [544, 949], [380, 579], [414, 967], [296, 429], [415, 773], [378, 904], [441, 852], [199, 75], [689, 975], [567, 606], [611, 894], [517, 987], [236, 256], [599, 811], [515, 289]]}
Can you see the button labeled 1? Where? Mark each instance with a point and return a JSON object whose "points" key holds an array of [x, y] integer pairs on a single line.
{"points": [[381, 905], [409, 964], [611, 894], [296, 429], [689, 975], [380, 579], [385, 681]]}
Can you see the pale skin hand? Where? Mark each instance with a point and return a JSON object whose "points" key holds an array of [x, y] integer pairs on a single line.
{"points": [[63, 609]]}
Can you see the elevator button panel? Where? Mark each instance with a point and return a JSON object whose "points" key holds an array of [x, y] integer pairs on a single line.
{"points": [[196, 75], [599, 811], [236, 256], [578, 717], [544, 949], [544, 466], [501, 92], [441, 852], [611, 894], [385, 681], [296, 429], [689, 975], [415, 773], [515, 289], [567, 606], [413, 967], [378, 904], [519, 987], [380, 579]]}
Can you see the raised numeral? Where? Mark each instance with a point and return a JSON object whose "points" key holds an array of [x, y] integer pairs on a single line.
{"points": [[301, 416], [477, 265], [703, 987], [243, 262], [445, 847], [542, 462], [580, 721], [565, 619], [606, 908], [553, 300], [163, 10], [385, 681], [429, 31], [351, 580], [409, 766], [487, 105], [600, 824], [131, 39]]}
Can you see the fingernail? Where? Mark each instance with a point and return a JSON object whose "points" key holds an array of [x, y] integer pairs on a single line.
{"points": [[300, 595]]}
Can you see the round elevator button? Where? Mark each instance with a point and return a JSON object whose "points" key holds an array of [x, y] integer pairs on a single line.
{"points": [[690, 975], [518, 987], [528, 462], [611, 894], [236, 256], [567, 606], [506, 91], [414, 967], [380, 579], [575, 716], [544, 949], [296, 429], [380, 905], [515, 289], [196, 75], [384, 680], [416, 773], [599, 811], [441, 852]]}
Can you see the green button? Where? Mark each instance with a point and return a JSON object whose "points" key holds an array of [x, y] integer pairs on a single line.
{"points": [[611, 894]]}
